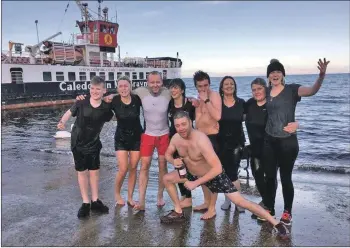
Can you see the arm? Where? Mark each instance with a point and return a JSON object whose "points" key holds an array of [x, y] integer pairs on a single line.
{"points": [[211, 158], [64, 119], [170, 151], [214, 106], [292, 127], [310, 91]]}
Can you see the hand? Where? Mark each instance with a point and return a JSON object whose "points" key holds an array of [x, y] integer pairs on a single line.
{"points": [[178, 162], [203, 95], [80, 97], [291, 127], [60, 125], [108, 98], [190, 185], [195, 102], [322, 66]]}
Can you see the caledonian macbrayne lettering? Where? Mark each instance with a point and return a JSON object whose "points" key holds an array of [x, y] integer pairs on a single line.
{"points": [[73, 86]]}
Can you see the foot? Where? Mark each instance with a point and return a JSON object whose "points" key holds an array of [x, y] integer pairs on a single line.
{"points": [[84, 210], [240, 209], [201, 208], [226, 205], [139, 207], [160, 202], [208, 215], [281, 230], [131, 203], [286, 218], [98, 207], [186, 203], [120, 202], [172, 217]]}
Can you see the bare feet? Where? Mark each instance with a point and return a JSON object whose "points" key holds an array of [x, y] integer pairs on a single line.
{"points": [[131, 203], [160, 202], [186, 203], [201, 208], [208, 215], [139, 207], [119, 201]]}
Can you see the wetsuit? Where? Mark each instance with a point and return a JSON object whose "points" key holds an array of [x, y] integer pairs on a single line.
{"points": [[128, 133], [255, 122], [190, 109], [85, 137], [280, 148], [155, 109], [231, 137]]}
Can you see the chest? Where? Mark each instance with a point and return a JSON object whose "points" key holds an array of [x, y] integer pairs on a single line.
{"points": [[123, 111], [92, 115], [280, 102], [157, 104], [256, 114], [233, 113]]}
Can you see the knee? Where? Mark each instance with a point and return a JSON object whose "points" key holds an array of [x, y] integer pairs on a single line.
{"points": [[167, 179]]}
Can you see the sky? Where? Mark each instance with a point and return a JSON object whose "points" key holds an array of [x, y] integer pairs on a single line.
{"points": [[235, 38]]}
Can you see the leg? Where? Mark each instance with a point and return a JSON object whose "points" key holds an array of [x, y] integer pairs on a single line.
{"points": [[286, 159], [122, 157], [258, 174], [211, 213], [169, 180], [205, 205], [134, 160], [238, 200], [186, 200], [94, 178], [162, 171], [83, 181]]}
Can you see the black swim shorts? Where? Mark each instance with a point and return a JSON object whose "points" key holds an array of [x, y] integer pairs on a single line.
{"points": [[219, 184], [86, 161], [127, 141]]}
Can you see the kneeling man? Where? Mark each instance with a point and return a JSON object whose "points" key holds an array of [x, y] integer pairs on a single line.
{"points": [[197, 153]]}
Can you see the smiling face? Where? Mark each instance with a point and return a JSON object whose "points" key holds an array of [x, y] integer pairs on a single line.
{"points": [[154, 82], [276, 78], [124, 88], [97, 91], [183, 127], [228, 86], [176, 91], [259, 92]]}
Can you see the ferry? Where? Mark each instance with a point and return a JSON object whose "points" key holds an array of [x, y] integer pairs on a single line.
{"points": [[52, 73]]}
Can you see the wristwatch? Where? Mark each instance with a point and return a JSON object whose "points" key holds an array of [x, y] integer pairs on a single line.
{"points": [[206, 101]]}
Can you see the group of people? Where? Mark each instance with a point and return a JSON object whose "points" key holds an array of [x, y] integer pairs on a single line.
{"points": [[205, 135]]}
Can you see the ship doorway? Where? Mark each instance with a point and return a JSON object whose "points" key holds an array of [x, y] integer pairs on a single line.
{"points": [[16, 75]]}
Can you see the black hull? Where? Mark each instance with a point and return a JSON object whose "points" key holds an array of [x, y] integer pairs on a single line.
{"points": [[51, 91]]}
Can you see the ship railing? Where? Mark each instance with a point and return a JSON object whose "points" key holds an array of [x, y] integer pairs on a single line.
{"points": [[88, 38], [63, 53]]}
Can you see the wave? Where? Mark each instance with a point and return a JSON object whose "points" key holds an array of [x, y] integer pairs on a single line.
{"points": [[52, 151], [318, 168]]}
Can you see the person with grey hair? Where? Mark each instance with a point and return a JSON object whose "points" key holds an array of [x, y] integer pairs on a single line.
{"points": [[281, 148], [91, 114]]}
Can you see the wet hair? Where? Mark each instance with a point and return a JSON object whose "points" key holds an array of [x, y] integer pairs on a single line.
{"points": [[222, 84], [96, 80], [126, 78], [178, 82], [200, 76], [155, 73], [259, 81], [181, 114]]}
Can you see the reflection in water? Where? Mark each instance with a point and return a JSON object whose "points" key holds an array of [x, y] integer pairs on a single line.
{"points": [[229, 234], [208, 236]]}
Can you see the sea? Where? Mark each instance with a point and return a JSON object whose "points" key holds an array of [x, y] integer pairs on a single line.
{"points": [[324, 134]]}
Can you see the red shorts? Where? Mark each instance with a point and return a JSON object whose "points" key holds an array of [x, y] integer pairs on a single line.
{"points": [[148, 143]]}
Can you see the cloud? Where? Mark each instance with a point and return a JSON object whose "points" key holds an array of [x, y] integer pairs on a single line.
{"points": [[152, 13]]}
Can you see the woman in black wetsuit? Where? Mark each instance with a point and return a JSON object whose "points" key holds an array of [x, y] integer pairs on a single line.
{"points": [[255, 121], [126, 107], [231, 136], [180, 102], [280, 147]]}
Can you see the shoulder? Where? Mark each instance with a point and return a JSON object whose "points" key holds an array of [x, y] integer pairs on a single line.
{"points": [[141, 92], [241, 100], [293, 86], [250, 101], [105, 105], [165, 92], [214, 94]]}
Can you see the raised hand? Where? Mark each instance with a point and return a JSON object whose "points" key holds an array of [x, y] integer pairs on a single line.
{"points": [[322, 66]]}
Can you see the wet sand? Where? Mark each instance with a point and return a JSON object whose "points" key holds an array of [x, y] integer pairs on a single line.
{"points": [[40, 200]]}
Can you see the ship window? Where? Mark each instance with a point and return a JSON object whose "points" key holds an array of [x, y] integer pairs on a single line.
{"points": [[141, 75], [127, 74], [92, 74], [16, 75], [147, 73], [110, 75], [102, 75], [47, 76], [134, 75], [59, 76], [119, 74], [71, 76], [82, 76]]}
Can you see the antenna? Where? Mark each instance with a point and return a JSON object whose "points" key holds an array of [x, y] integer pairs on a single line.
{"points": [[37, 32], [99, 8]]}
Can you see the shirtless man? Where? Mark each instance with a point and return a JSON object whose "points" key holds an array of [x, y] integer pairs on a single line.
{"points": [[208, 115], [201, 161]]}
